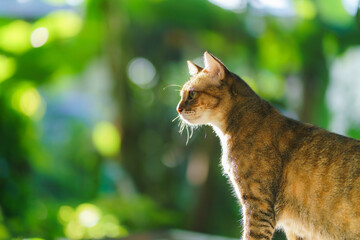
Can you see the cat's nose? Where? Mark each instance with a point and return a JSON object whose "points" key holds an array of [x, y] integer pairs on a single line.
{"points": [[180, 109]]}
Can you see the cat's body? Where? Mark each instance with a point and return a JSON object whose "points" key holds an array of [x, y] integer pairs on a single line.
{"points": [[286, 174]]}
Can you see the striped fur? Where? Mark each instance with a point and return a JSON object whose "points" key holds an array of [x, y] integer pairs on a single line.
{"points": [[286, 174]]}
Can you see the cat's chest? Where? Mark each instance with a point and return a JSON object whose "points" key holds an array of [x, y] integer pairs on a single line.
{"points": [[231, 164], [237, 158], [233, 155], [226, 156]]}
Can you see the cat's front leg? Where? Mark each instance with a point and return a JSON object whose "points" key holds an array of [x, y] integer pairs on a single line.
{"points": [[259, 222]]}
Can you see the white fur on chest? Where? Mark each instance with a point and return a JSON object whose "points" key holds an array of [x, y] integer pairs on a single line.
{"points": [[225, 149], [225, 161]]}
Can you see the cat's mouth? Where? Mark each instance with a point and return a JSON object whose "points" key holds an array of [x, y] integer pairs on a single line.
{"points": [[188, 116]]}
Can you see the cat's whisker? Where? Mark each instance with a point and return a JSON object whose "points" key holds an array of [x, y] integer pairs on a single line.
{"points": [[175, 118], [173, 85], [255, 165], [191, 132], [187, 134], [182, 126]]}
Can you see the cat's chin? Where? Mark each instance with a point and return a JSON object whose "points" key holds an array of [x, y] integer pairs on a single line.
{"points": [[191, 120], [194, 119]]}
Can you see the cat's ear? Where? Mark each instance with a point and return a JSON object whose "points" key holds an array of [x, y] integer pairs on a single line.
{"points": [[214, 66], [193, 68]]}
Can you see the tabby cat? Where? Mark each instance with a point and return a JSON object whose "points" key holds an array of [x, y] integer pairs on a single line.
{"points": [[286, 174]]}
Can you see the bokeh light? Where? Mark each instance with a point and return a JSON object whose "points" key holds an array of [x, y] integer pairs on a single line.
{"points": [[65, 214], [106, 139], [351, 6], [305, 9], [74, 230], [141, 72], [89, 215], [14, 37], [27, 100], [112, 226], [88, 92], [197, 169], [39, 37], [7, 67], [87, 221], [61, 24]]}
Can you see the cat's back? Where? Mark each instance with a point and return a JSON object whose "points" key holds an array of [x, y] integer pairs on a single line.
{"points": [[321, 185]]}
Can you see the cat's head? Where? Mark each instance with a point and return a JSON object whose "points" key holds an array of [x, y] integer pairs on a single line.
{"points": [[207, 97]]}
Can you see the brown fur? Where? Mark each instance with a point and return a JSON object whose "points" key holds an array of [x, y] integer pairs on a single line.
{"points": [[286, 174]]}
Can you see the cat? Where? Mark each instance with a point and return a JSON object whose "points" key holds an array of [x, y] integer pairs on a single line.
{"points": [[286, 174]]}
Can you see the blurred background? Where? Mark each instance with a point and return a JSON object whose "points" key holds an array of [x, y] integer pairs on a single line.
{"points": [[88, 90]]}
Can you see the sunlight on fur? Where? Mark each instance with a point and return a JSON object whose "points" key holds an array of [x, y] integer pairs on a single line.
{"points": [[286, 174], [183, 125]]}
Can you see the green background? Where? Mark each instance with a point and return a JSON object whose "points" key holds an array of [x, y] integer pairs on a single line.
{"points": [[88, 91]]}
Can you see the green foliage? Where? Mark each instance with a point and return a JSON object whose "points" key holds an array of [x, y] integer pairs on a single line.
{"points": [[88, 148]]}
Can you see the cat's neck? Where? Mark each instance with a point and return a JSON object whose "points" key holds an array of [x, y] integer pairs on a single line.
{"points": [[241, 118], [240, 114], [220, 132], [244, 115], [224, 140]]}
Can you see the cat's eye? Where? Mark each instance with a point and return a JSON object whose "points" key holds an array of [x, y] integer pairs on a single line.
{"points": [[191, 95]]}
